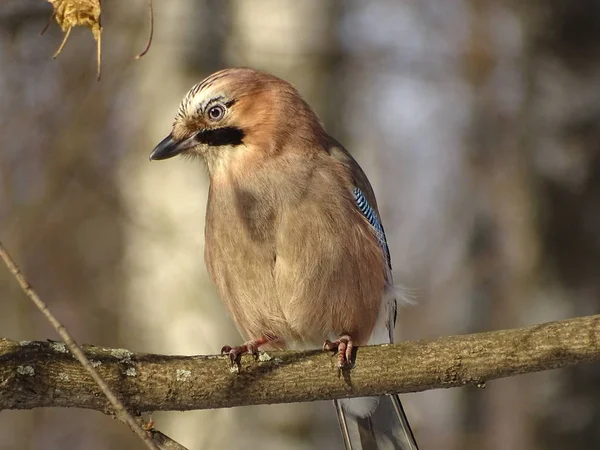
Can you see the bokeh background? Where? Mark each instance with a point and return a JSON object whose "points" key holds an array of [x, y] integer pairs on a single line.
{"points": [[477, 121]]}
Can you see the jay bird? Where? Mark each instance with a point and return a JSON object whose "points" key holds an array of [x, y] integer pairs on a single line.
{"points": [[294, 240]]}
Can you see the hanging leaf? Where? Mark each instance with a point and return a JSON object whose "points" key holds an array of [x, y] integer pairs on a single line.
{"points": [[73, 13]]}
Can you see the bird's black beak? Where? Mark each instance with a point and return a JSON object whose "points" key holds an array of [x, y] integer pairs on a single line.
{"points": [[169, 147]]}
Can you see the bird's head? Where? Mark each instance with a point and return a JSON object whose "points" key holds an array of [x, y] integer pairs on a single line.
{"points": [[237, 112]]}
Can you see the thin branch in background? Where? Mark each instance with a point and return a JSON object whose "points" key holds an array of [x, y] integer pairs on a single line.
{"points": [[149, 42], [98, 54], [120, 410], [62, 44], [160, 439], [165, 442], [47, 23]]}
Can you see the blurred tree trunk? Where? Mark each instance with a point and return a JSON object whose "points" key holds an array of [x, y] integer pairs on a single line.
{"points": [[407, 108], [171, 305], [563, 136], [504, 242], [60, 208], [296, 41]]}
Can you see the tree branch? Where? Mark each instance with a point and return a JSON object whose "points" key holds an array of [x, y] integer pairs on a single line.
{"points": [[35, 374], [119, 410]]}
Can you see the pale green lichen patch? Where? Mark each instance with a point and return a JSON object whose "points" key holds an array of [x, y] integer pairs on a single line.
{"points": [[183, 375], [121, 353], [130, 372], [264, 357], [24, 343], [26, 370], [64, 376], [59, 347]]}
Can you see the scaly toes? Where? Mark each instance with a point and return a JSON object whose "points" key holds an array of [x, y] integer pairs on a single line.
{"points": [[344, 347], [235, 354]]}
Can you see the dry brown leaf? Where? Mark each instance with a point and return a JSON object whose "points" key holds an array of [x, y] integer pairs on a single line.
{"points": [[72, 13]]}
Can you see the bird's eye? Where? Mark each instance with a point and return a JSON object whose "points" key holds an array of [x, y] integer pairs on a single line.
{"points": [[216, 112]]}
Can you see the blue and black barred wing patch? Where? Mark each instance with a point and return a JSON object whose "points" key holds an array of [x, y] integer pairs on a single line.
{"points": [[369, 213]]}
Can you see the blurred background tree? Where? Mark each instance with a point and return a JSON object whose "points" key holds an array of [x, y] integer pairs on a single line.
{"points": [[477, 121]]}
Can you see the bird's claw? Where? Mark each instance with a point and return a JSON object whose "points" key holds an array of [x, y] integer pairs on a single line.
{"points": [[235, 353], [344, 347]]}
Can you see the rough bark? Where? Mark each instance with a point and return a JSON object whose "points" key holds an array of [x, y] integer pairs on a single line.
{"points": [[44, 374]]}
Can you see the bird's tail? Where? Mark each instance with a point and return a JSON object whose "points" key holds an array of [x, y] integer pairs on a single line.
{"points": [[386, 428]]}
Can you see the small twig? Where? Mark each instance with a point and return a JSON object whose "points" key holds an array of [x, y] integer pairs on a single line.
{"points": [[99, 57], [62, 44], [99, 47], [160, 439], [47, 24], [120, 410], [149, 42], [164, 441]]}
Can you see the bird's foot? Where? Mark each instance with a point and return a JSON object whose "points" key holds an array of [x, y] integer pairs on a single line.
{"points": [[250, 347], [344, 347]]}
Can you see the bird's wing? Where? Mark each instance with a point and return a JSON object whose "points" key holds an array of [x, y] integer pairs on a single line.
{"points": [[363, 194], [367, 205], [371, 215], [388, 423]]}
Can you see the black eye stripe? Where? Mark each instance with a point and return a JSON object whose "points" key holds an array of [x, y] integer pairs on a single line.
{"points": [[221, 136]]}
